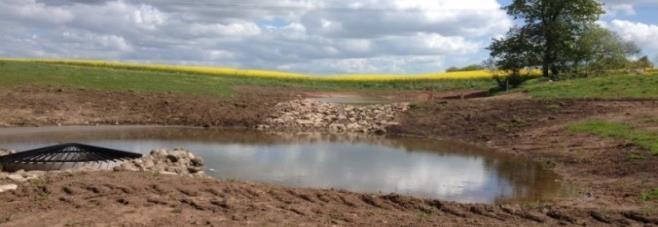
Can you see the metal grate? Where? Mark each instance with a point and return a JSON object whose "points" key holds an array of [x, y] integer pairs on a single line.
{"points": [[68, 153]]}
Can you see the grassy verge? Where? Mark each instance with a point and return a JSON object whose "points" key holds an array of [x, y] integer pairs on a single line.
{"points": [[29, 73], [646, 140], [606, 87]]}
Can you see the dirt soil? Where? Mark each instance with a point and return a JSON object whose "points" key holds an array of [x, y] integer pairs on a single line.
{"points": [[40, 106], [597, 173], [602, 183], [145, 199]]}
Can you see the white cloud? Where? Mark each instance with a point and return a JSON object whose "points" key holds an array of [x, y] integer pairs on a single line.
{"points": [[642, 34], [119, 16], [357, 45], [104, 42], [396, 17], [219, 55], [626, 7], [318, 36], [34, 12], [237, 29], [390, 64], [147, 17]]}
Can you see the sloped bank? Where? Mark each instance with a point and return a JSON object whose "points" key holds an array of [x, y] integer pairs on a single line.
{"points": [[31, 106], [145, 198], [606, 185], [597, 172]]}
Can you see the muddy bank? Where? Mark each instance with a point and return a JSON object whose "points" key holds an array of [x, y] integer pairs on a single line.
{"points": [[602, 184], [248, 108], [39, 106], [133, 198], [598, 172]]}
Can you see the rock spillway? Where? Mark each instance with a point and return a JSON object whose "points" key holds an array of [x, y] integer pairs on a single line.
{"points": [[313, 115]]}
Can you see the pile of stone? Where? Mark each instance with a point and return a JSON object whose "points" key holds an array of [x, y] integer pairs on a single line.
{"points": [[313, 115], [4, 152], [169, 162], [17, 177], [22, 175]]}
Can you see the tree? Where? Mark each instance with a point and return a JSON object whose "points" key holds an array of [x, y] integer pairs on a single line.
{"points": [[598, 50], [472, 67], [452, 69], [643, 63], [552, 27], [510, 54]]}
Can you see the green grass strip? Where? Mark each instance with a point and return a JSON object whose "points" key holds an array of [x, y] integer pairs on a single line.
{"points": [[615, 130], [21, 74], [14, 74], [603, 87]]}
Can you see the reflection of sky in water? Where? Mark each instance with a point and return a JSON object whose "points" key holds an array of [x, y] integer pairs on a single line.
{"points": [[357, 167]]}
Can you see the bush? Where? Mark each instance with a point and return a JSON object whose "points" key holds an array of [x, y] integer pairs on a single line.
{"points": [[506, 83]]}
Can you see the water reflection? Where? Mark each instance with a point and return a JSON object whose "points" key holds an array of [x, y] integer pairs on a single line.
{"points": [[410, 166]]}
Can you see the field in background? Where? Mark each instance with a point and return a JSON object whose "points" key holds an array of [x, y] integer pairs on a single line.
{"points": [[21, 73], [219, 81], [222, 71]]}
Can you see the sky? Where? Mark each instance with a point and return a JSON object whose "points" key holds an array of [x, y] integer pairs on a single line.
{"points": [[307, 36]]}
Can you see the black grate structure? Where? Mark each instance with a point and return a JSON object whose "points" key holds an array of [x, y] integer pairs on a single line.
{"points": [[69, 154]]}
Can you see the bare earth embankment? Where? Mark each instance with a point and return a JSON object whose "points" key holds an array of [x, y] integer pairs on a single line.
{"points": [[598, 173], [602, 184], [38, 106]]}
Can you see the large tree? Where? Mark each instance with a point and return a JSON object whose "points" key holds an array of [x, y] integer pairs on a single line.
{"points": [[552, 28], [599, 49]]}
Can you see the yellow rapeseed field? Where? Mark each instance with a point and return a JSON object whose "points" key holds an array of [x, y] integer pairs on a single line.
{"points": [[222, 71], [479, 74]]}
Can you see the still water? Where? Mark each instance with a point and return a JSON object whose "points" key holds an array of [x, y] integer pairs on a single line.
{"points": [[410, 166]]}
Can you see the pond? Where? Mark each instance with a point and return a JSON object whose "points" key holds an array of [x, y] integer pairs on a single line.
{"points": [[410, 166]]}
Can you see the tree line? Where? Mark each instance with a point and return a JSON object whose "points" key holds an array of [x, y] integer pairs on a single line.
{"points": [[562, 39]]}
